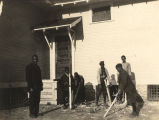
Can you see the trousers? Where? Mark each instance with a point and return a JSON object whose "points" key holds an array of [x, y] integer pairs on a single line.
{"points": [[101, 88], [34, 102]]}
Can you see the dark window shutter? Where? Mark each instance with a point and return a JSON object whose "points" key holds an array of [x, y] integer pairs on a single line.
{"points": [[101, 14]]}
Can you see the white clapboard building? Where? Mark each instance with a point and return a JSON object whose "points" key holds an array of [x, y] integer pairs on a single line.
{"points": [[94, 30], [77, 34]]}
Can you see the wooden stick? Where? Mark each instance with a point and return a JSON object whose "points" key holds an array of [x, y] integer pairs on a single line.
{"points": [[74, 100], [70, 93], [111, 106], [108, 92]]}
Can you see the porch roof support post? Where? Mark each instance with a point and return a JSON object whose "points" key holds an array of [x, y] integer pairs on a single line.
{"points": [[52, 61], [73, 67], [46, 39], [72, 50]]}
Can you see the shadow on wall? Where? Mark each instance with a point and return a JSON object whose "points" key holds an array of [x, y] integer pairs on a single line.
{"points": [[89, 92]]}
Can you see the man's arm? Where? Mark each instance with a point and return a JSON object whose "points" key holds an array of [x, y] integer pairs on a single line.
{"points": [[98, 76], [41, 83], [28, 78], [72, 82], [107, 73], [129, 69]]}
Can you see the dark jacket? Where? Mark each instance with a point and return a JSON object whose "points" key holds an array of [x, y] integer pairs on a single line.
{"points": [[79, 80], [126, 85], [33, 77], [64, 82]]}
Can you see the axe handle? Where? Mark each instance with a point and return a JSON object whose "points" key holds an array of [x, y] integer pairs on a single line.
{"points": [[108, 92], [111, 106], [70, 92], [76, 93]]}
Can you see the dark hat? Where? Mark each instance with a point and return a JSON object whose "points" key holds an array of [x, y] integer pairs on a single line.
{"points": [[123, 56], [101, 63]]}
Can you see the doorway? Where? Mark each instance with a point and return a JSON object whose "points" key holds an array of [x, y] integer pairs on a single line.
{"points": [[62, 59]]}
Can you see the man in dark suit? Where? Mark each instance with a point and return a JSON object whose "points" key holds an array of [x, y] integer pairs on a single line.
{"points": [[35, 85], [127, 86], [64, 83]]}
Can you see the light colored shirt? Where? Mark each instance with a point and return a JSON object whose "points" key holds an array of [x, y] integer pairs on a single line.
{"points": [[99, 75], [127, 67]]}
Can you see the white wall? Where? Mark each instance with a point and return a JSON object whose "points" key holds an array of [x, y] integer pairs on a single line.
{"points": [[133, 31]]}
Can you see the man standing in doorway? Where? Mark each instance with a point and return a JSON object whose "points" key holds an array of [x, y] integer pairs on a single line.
{"points": [[102, 75], [35, 85], [126, 85]]}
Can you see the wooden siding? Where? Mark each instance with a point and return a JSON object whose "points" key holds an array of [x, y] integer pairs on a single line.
{"points": [[18, 43]]}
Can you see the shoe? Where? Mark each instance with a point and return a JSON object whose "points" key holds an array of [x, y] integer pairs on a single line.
{"points": [[33, 116], [97, 104], [41, 114], [106, 105], [73, 107], [64, 107], [139, 107], [133, 114]]}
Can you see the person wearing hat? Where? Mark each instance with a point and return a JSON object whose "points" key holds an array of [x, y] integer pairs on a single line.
{"points": [[127, 86], [102, 75]]}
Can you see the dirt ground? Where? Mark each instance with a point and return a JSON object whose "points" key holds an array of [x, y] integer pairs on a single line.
{"points": [[150, 111]]}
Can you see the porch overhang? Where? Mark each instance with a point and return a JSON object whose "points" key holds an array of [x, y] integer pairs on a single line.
{"points": [[67, 23], [64, 23]]}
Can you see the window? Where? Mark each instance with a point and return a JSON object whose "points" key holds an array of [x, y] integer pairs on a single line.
{"points": [[101, 14]]}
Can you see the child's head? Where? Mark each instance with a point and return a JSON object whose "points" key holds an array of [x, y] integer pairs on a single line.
{"points": [[113, 77]]}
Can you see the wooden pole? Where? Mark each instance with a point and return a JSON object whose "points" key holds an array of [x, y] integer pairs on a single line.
{"points": [[46, 39], [72, 52], [108, 92], [73, 67], [70, 93], [111, 106], [74, 100]]}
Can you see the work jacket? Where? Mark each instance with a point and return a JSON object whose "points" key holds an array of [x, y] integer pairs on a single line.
{"points": [[33, 77], [126, 85]]}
